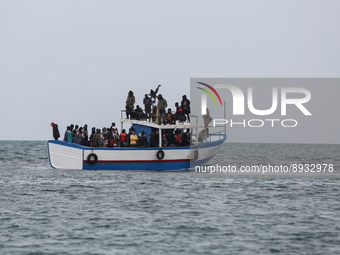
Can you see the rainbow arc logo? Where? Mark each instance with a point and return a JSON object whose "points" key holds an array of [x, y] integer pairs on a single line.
{"points": [[209, 93]]}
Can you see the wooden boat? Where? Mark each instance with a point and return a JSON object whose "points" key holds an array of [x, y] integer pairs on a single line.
{"points": [[68, 155]]}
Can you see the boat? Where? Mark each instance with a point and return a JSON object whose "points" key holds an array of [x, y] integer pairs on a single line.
{"points": [[69, 155]]}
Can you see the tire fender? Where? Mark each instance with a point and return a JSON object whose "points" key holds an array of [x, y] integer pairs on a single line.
{"points": [[160, 154], [92, 158]]}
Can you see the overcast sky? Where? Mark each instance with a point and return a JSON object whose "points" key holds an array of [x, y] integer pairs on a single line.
{"points": [[75, 61]]}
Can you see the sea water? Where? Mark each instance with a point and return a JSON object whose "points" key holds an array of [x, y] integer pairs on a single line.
{"points": [[49, 211]]}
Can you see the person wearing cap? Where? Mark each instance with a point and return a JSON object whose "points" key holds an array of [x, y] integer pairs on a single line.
{"points": [[55, 131]]}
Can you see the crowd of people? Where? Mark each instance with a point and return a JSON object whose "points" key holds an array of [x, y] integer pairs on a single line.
{"points": [[155, 109], [109, 137]]}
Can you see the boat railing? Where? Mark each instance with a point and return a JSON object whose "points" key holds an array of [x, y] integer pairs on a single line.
{"points": [[220, 134]]}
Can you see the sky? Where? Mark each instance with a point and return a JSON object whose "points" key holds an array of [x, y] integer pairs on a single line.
{"points": [[75, 61]]}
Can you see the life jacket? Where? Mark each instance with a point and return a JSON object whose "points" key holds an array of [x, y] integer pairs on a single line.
{"points": [[122, 137], [169, 116]]}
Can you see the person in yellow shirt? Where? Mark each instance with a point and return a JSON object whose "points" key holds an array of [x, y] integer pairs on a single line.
{"points": [[133, 139]]}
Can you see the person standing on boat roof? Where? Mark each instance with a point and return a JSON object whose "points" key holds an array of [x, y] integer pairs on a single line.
{"points": [[185, 105], [154, 101], [178, 113], [130, 102], [162, 104], [147, 105], [154, 92], [55, 131]]}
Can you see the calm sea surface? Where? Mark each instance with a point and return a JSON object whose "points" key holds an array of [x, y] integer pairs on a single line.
{"points": [[47, 211]]}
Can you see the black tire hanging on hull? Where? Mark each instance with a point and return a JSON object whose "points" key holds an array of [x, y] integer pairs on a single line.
{"points": [[89, 158], [160, 154]]}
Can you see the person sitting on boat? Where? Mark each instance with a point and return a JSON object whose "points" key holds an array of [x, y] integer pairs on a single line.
{"points": [[55, 131], [130, 102], [113, 126], [150, 139], [74, 130], [162, 104], [154, 139], [133, 139], [142, 141], [186, 138], [207, 119], [69, 135], [185, 105], [71, 129], [84, 139], [104, 137], [110, 140], [154, 102], [178, 138], [137, 114], [122, 138], [147, 105], [96, 138], [77, 137], [115, 137], [169, 117], [202, 136], [93, 131], [85, 136], [66, 134], [165, 140]]}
